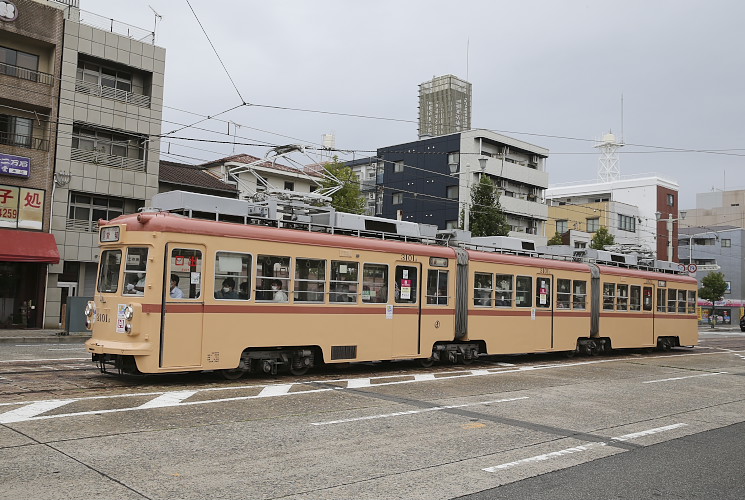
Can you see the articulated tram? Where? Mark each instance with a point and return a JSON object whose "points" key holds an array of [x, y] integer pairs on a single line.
{"points": [[177, 294]]}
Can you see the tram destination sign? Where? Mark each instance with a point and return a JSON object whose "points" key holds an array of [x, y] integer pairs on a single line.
{"points": [[17, 166]]}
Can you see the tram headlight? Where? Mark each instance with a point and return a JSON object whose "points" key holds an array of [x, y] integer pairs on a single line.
{"points": [[129, 313], [90, 309], [88, 323], [128, 328]]}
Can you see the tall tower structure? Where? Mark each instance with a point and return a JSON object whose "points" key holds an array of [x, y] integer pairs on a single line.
{"points": [[444, 106], [609, 169]]}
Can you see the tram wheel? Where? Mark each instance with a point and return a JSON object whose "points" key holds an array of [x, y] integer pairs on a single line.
{"points": [[467, 360], [233, 374], [300, 370], [425, 362]]}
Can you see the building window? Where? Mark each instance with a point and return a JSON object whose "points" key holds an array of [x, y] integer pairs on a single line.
{"points": [[593, 225], [108, 143], [398, 167], [562, 226], [106, 77], [726, 243], [85, 210], [16, 131], [398, 198], [19, 64], [670, 200], [626, 223], [451, 224], [289, 186], [452, 192]]}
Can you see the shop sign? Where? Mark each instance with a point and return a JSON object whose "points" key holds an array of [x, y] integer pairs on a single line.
{"points": [[17, 166], [21, 207], [8, 11]]}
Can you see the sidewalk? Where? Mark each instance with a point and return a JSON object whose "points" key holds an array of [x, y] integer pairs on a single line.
{"points": [[41, 336]]}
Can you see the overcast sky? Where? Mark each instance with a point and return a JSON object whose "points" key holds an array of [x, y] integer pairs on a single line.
{"points": [[547, 72]]}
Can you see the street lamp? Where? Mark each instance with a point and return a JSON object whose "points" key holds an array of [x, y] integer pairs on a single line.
{"points": [[670, 220], [455, 171]]}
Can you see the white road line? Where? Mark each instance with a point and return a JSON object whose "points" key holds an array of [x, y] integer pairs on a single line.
{"points": [[545, 456], [29, 411], [648, 432], [424, 377], [681, 378], [358, 382], [580, 448], [414, 412], [167, 399], [275, 390]]}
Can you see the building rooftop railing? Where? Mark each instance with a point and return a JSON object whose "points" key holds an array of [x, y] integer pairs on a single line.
{"points": [[114, 26]]}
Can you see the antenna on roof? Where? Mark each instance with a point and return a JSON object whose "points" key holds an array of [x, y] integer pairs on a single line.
{"points": [[158, 17]]}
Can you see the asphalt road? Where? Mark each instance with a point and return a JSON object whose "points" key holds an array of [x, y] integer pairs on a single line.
{"points": [[630, 425]]}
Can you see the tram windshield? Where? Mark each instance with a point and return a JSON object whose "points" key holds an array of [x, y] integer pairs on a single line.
{"points": [[134, 272], [108, 279]]}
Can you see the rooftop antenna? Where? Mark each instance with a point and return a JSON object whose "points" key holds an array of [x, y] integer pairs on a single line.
{"points": [[158, 17]]}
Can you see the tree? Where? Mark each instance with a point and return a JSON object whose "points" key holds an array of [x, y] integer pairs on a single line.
{"points": [[486, 217], [713, 288], [602, 238], [348, 198], [556, 239]]}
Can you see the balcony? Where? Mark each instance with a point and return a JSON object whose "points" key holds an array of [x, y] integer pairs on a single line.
{"points": [[24, 141], [100, 158], [105, 92], [26, 74]]}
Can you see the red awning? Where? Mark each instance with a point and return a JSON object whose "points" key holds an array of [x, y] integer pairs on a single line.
{"points": [[27, 246]]}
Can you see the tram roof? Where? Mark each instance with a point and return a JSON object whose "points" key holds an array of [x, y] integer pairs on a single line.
{"points": [[167, 222]]}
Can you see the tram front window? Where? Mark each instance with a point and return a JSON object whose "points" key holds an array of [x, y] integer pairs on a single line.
{"points": [[108, 279], [134, 271]]}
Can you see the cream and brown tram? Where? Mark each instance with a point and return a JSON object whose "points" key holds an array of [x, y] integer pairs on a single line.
{"points": [[176, 294]]}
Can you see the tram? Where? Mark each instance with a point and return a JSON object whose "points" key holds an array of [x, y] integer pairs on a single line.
{"points": [[178, 294]]}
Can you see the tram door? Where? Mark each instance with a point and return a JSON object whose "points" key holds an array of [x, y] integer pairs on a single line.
{"points": [[407, 306], [543, 328], [183, 307]]}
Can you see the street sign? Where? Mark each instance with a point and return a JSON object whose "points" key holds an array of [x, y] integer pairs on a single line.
{"points": [[709, 267], [692, 268]]}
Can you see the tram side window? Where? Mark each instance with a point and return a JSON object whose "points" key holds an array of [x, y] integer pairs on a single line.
{"points": [[232, 276], [671, 300], [579, 299], [524, 291], [406, 284], [186, 264], [108, 279], [375, 283], [483, 289], [344, 281], [647, 305], [310, 280], [622, 298], [661, 300], [134, 271], [543, 292], [636, 298], [682, 301], [691, 302], [437, 287], [504, 290], [272, 278], [609, 296], [563, 294]]}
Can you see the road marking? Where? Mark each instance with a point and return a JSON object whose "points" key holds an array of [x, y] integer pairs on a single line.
{"points": [[681, 378], [648, 432], [358, 382], [415, 412], [424, 377], [545, 456], [167, 399], [29, 411], [275, 390], [578, 449]]}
